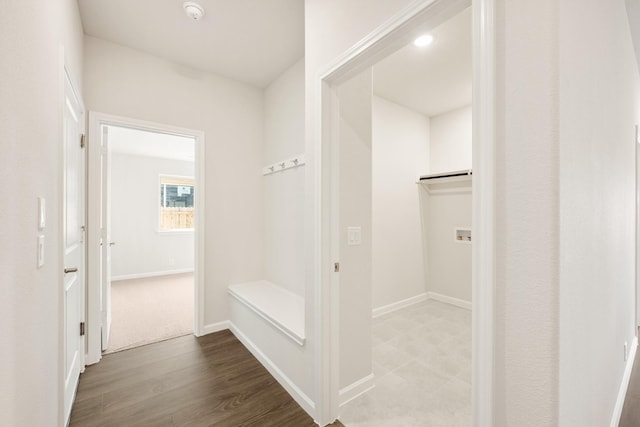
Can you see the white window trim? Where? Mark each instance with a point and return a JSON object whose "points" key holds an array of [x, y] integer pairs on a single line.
{"points": [[163, 231]]}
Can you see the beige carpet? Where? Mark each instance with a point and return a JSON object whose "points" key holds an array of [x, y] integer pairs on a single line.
{"points": [[150, 310]]}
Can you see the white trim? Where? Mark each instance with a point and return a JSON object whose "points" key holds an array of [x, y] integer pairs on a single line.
{"points": [[358, 388], [385, 309], [96, 119], [449, 300], [398, 31], [150, 274], [298, 395], [214, 327], [622, 392], [483, 222]]}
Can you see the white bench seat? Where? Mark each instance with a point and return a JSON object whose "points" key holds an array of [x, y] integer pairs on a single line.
{"points": [[275, 304]]}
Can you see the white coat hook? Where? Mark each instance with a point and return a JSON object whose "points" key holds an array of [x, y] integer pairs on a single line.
{"points": [[283, 165]]}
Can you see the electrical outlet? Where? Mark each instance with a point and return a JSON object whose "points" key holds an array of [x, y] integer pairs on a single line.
{"points": [[626, 353]]}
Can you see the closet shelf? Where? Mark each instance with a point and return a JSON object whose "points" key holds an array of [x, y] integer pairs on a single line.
{"points": [[462, 175], [447, 182]]}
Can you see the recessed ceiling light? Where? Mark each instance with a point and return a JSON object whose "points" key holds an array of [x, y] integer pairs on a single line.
{"points": [[423, 40], [193, 10]]}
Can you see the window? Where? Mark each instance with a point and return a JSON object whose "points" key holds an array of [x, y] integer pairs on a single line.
{"points": [[176, 203]]}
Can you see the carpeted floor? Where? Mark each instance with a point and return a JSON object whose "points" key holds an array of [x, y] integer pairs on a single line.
{"points": [[150, 310]]}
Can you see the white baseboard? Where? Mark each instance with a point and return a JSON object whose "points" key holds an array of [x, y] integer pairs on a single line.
{"points": [[377, 312], [355, 389], [622, 393], [151, 274], [449, 300], [298, 395], [215, 327]]}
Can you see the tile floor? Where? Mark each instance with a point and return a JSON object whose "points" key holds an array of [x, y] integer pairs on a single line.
{"points": [[422, 368]]}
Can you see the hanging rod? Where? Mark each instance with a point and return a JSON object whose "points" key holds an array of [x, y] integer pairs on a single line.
{"points": [[453, 174]]}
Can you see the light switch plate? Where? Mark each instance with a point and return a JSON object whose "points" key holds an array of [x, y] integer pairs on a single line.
{"points": [[42, 213], [40, 250], [354, 236]]}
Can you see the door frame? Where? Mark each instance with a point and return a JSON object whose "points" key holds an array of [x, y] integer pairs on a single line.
{"points": [[96, 120], [395, 33]]}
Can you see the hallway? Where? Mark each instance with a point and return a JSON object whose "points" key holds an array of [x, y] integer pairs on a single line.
{"points": [[211, 380]]}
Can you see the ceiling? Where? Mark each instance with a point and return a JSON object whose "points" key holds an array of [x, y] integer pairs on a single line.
{"points": [[151, 144], [252, 41], [431, 80]]}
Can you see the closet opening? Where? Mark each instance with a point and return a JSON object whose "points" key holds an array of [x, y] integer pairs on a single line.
{"points": [[404, 139], [399, 174]]}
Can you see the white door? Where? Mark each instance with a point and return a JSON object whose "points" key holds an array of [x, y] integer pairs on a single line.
{"points": [[105, 161], [73, 243]]}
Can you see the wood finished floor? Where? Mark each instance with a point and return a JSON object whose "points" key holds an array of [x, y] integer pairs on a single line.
{"points": [[186, 381], [631, 409]]}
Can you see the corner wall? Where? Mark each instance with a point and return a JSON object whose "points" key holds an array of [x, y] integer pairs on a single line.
{"points": [[130, 83], [283, 192], [141, 249], [400, 154], [355, 210], [448, 260], [31, 35]]}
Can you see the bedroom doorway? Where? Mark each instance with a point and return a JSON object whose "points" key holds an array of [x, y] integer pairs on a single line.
{"points": [[145, 276]]}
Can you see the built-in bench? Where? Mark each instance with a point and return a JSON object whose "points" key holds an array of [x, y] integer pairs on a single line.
{"points": [[280, 307]]}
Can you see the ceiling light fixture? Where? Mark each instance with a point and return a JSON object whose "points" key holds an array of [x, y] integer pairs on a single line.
{"points": [[193, 10], [424, 40]]}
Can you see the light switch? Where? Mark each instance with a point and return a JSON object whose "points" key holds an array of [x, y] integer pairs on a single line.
{"points": [[354, 236], [40, 250], [42, 213]]}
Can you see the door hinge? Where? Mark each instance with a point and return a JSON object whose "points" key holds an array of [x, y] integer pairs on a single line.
{"points": [[336, 267], [82, 140], [81, 329]]}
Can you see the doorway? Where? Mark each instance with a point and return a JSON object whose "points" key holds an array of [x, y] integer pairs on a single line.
{"points": [[398, 32], [146, 238], [150, 223]]}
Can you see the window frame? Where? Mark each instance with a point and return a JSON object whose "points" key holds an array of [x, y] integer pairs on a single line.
{"points": [[159, 204]]}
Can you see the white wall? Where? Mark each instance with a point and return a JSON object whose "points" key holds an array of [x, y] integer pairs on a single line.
{"points": [[450, 143], [355, 209], [31, 35], [599, 106], [130, 83], [400, 155], [283, 192], [449, 261], [140, 248]]}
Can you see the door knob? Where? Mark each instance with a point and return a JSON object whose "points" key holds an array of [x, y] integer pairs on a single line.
{"points": [[70, 270]]}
